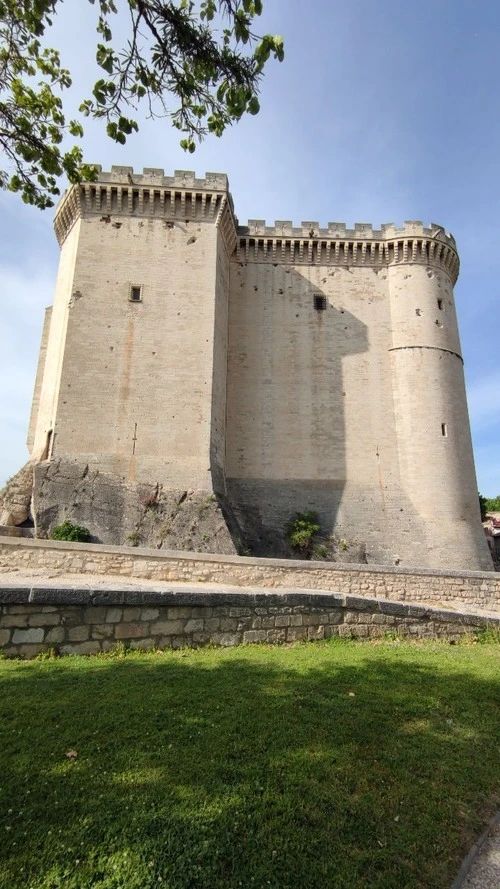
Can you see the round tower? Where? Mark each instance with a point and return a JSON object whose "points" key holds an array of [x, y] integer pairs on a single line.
{"points": [[436, 462]]}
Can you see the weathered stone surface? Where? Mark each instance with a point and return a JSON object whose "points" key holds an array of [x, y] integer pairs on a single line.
{"points": [[78, 634], [15, 497], [130, 630], [55, 635], [169, 627], [126, 513], [44, 620], [20, 637], [81, 648]]}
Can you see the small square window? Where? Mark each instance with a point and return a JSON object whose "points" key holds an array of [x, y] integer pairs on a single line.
{"points": [[319, 302], [135, 294]]}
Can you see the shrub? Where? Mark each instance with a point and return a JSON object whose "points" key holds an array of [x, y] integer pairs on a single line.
{"points": [[301, 532], [69, 531]]}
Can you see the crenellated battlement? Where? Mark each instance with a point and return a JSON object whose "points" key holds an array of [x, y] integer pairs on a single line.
{"points": [[338, 245], [151, 194], [183, 196], [361, 231]]}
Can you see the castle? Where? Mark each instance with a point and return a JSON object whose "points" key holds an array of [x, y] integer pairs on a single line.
{"points": [[200, 382]]}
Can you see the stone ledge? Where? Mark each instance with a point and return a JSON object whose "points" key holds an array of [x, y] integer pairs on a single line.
{"points": [[241, 602], [141, 553], [85, 621]]}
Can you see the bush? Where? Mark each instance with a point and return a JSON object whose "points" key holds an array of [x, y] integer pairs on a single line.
{"points": [[302, 530], [69, 531]]}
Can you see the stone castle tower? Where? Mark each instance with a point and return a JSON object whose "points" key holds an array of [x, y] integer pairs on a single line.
{"points": [[200, 382]]}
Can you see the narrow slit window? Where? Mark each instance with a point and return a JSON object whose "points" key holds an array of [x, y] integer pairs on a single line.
{"points": [[319, 302], [444, 430], [135, 293], [440, 304]]}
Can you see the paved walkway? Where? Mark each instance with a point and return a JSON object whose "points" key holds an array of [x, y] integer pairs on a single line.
{"points": [[481, 867]]}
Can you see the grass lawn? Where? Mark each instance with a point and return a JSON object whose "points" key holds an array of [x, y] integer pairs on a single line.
{"points": [[337, 764]]}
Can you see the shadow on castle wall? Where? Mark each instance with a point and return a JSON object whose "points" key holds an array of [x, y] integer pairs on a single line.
{"points": [[286, 435]]}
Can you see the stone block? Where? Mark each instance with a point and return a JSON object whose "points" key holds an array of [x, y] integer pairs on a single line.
{"points": [[192, 626], [113, 615], [21, 637], [131, 630], [227, 640], [178, 613], [129, 615], [239, 612], [94, 615], [78, 634], [30, 651], [201, 612], [316, 633], [14, 620], [71, 617], [201, 638], [102, 631], [169, 627], [14, 594], [296, 620], [81, 648], [43, 620], [55, 635], [149, 613], [228, 625], [310, 620], [255, 636], [212, 624], [275, 637], [398, 609], [331, 631], [145, 644], [295, 634], [282, 620], [4, 637]]}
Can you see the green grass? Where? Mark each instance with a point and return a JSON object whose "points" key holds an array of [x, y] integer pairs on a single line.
{"points": [[336, 764]]}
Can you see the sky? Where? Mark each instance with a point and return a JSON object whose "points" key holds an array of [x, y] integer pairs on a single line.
{"points": [[381, 112]]}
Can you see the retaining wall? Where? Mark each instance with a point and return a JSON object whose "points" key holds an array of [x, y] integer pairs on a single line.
{"points": [[85, 621], [458, 588]]}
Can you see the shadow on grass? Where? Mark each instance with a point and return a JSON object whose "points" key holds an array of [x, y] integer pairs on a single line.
{"points": [[336, 765]]}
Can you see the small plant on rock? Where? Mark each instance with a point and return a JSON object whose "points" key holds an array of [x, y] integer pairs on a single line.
{"points": [[301, 532], [69, 531]]}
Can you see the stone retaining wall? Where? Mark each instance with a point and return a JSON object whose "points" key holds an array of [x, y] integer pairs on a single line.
{"points": [[462, 588], [83, 621]]}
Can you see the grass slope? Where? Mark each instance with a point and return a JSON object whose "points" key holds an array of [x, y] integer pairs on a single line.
{"points": [[336, 764]]}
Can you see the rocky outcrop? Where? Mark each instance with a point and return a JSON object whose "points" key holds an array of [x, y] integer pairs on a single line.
{"points": [[128, 513], [15, 497]]}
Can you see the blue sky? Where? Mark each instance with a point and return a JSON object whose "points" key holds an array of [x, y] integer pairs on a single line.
{"points": [[380, 112]]}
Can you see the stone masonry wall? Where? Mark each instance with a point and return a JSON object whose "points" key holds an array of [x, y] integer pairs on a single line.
{"points": [[455, 588], [82, 621]]}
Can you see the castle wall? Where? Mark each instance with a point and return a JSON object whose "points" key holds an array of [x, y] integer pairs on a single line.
{"points": [[219, 377], [136, 379], [47, 410], [39, 378], [310, 405]]}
